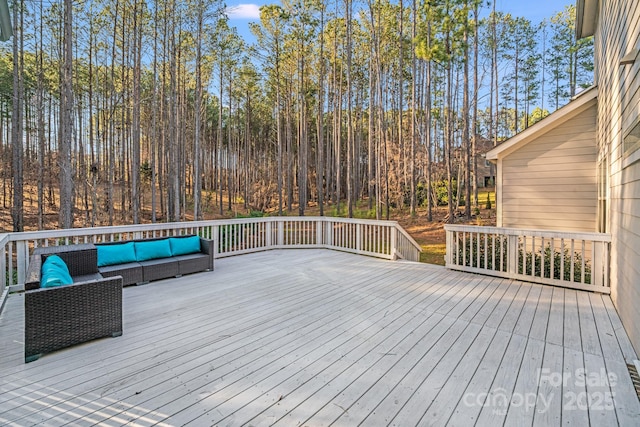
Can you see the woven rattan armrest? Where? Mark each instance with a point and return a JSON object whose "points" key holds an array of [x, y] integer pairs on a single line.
{"points": [[63, 316]]}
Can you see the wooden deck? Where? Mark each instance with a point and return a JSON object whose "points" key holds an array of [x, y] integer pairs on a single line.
{"points": [[318, 337]]}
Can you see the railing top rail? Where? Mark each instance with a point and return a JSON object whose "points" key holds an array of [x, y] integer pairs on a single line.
{"points": [[595, 237], [4, 238], [75, 232], [408, 237]]}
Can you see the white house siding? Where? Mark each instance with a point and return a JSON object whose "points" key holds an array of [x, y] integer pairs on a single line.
{"points": [[550, 183], [617, 34]]}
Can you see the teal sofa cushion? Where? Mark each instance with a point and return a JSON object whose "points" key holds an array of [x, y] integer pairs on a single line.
{"points": [[184, 245], [55, 273], [116, 254], [153, 249]]}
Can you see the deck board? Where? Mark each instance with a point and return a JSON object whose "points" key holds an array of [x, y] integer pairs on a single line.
{"points": [[318, 337]]}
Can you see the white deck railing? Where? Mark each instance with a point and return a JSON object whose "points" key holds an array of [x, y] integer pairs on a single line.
{"points": [[382, 239], [572, 260]]}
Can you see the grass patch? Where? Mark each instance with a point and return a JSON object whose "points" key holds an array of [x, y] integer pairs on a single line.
{"points": [[433, 253]]}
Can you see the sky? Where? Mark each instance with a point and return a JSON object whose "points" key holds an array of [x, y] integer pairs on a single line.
{"points": [[241, 14]]}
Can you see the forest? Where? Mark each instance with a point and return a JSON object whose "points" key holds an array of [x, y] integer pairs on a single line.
{"points": [[130, 111]]}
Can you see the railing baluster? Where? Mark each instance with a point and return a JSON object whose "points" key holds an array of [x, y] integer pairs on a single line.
{"points": [[562, 248], [582, 270]]}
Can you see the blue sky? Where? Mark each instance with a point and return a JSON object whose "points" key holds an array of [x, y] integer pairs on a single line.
{"points": [[241, 13]]}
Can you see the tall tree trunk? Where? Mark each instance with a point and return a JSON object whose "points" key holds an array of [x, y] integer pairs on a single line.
{"points": [[350, 142], [135, 158], [320, 118], [197, 186], [465, 120], [41, 123], [429, 142], [154, 115], [17, 133], [474, 123], [414, 74], [66, 122]]}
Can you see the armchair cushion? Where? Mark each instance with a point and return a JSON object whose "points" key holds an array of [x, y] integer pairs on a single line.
{"points": [[116, 254], [55, 273]]}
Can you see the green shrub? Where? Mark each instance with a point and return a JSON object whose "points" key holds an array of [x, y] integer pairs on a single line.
{"points": [[488, 203], [534, 260], [440, 190], [252, 214], [421, 195], [489, 252]]}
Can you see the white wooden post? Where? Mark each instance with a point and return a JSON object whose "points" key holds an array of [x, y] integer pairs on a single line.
{"points": [[215, 230], [280, 232], [319, 235], [329, 231], [22, 252], [448, 257], [394, 242], [269, 231], [3, 267], [597, 274], [359, 238], [512, 255]]}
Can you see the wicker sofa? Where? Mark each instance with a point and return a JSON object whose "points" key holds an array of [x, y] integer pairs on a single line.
{"points": [[91, 307], [63, 316], [139, 272]]}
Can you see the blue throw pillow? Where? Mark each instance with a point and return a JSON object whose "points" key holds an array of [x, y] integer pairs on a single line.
{"points": [[55, 273], [184, 245], [152, 249], [116, 254]]}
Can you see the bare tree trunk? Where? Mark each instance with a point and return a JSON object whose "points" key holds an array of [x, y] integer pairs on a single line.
{"points": [[174, 179], [197, 186], [465, 120], [414, 74], [371, 131], [350, 143], [17, 133], [279, 137], [474, 123], [41, 124], [320, 120], [66, 122], [154, 115], [429, 143], [137, 65]]}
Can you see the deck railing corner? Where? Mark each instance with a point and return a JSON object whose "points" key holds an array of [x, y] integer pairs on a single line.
{"points": [[567, 259], [383, 239]]}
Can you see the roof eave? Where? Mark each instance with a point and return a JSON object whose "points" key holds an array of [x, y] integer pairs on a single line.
{"points": [[586, 18], [582, 101]]}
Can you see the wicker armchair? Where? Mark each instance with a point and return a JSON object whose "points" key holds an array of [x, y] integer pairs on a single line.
{"points": [[63, 316]]}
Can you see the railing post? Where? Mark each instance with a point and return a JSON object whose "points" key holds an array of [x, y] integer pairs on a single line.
{"points": [[3, 267], [319, 235], [329, 230], [215, 231], [448, 256], [597, 275], [512, 255], [22, 253], [394, 243], [269, 231], [280, 232], [359, 237]]}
